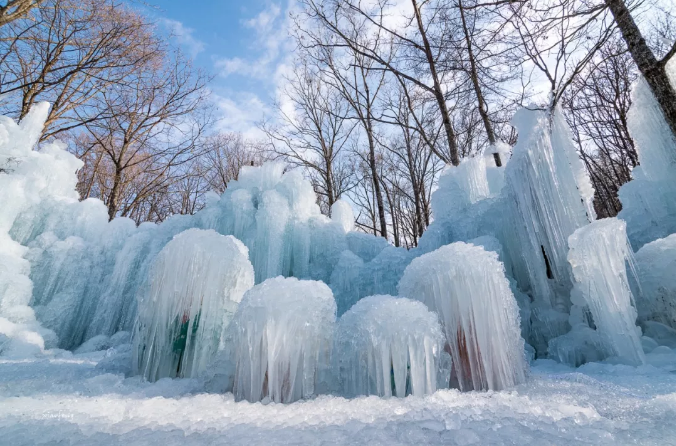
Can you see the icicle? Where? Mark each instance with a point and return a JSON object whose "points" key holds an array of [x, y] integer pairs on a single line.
{"points": [[467, 288], [280, 337], [193, 290], [387, 346], [598, 255]]}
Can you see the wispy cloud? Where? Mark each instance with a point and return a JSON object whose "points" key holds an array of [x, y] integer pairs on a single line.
{"points": [[184, 36]]}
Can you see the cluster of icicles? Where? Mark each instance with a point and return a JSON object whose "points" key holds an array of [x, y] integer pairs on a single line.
{"points": [[202, 316]]}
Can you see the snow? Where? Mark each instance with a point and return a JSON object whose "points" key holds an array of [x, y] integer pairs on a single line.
{"points": [[67, 399], [280, 340], [388, 346], [466, 286], [193, 290]]}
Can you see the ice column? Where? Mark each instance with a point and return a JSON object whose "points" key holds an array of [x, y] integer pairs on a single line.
{"points": [[466, 286], [598, 255], [388, 346], [281, 337], [193, 290]]}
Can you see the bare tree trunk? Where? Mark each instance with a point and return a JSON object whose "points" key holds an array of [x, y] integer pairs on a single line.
{"points": [[113, 198], [15, 9], [653, 70], [438, 93], [474, 75]]}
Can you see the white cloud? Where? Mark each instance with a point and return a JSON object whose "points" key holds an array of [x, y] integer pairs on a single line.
{"points": [[241, 112], [184, 36]]}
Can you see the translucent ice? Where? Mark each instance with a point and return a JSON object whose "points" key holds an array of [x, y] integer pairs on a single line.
{"points": [[193, 290], [466, 286], [656, 265], [387, 346], [599, 253], [281, 337]]}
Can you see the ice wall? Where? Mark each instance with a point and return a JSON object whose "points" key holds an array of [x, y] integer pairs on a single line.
{"points": [[387, 346], [599, 254], [27, 178], [648, 204], [280, 338], [466, 286], [193, 290]]}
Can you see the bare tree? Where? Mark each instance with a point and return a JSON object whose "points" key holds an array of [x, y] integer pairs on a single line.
{"points": [[147, 129], [596, 107], [314, 134], [67, 52], [16, 9], [224, 156], [417, 58], [653, 70]]}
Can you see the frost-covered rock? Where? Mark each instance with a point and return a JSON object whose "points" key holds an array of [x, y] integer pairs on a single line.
{"points": [[280, 339], [387, 346], [192, 293], [466, 286]]}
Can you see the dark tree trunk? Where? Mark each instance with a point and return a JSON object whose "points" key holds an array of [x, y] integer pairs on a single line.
{"points": [[438, 93], [653, 70]]}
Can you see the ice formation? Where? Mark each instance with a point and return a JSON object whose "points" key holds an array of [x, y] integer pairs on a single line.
{"points": [[656, 265], [599, 253], [69, 278], [648, 204], [193, 290], [280, 338], [387, 346], [466, 286]]}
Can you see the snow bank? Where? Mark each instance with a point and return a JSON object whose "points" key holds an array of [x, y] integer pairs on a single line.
{"points": [[387, 346], [193, 290], [466, 286], [281, 336]]}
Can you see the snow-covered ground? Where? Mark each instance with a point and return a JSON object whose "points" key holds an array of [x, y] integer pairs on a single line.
{"points": [[66, 399]]}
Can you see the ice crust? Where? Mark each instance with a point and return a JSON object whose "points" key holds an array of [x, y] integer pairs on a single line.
{"points": [[387, 346], [193, 290], [466, 286]]}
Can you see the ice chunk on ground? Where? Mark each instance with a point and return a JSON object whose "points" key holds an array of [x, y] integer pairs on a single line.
{"points": [[599, 253], [387, 346], [193, 290], [281, 339], [467, 287]]}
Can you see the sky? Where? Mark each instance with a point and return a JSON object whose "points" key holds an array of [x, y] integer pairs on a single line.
{"points": [[243, 44]]}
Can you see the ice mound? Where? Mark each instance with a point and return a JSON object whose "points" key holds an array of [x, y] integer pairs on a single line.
{"points": [[466, 286], [387, 346], [656, 265], [281, 338], [599, 253], [193, 290]]}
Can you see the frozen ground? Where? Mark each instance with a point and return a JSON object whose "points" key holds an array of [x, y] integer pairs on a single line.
{"points": [[66, 400]]}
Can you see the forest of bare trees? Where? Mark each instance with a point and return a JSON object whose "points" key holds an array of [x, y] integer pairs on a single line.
{"points": [[383, 95]]}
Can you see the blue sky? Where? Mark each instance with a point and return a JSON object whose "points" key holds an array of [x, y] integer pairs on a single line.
{"points": [[243, 43]]}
